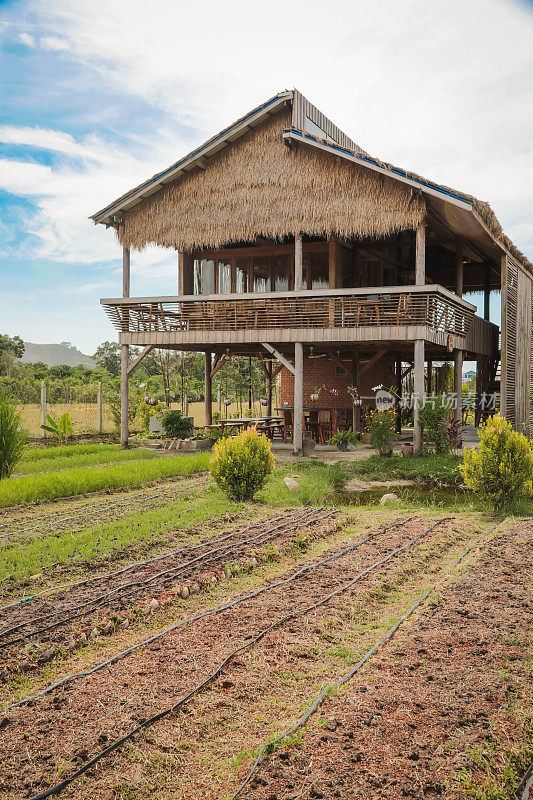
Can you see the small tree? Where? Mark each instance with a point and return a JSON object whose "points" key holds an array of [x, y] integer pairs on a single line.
{"points": [[439, 425], [12, 437], [241, 465], [382, 428], [501, 469]]}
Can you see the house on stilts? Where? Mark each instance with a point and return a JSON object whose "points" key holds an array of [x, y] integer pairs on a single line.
{"points": [[297, 247]]}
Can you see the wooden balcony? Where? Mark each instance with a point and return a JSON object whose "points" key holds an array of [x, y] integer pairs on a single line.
{"points": [[398, 313]]}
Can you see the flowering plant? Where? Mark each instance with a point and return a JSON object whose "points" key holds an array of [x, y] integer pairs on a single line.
{"points": [[352, 391], [334, 392], [382, 430]]}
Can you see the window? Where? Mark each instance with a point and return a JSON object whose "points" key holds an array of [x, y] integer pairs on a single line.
{"points": [[224, 277], [261, 274], [241, 275], [312, 127], [280, 272], [204, 276]]}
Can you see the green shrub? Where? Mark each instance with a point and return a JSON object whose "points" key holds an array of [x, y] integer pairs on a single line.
{"points": [[61, 428], [12, 437], [382, 428], [438, 425], [241, 465], [177, 426], [501, 469]]}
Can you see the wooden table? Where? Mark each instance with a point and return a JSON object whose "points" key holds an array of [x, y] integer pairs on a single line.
{"points": [[262, 423]]}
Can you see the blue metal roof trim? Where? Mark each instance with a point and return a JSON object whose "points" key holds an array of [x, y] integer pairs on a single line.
{"points": [[380, 164]]}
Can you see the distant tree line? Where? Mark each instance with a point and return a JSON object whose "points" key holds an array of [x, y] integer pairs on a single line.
{"points": [[168, 375]]}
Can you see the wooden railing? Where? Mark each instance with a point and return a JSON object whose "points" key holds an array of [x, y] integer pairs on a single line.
{"points": [[398, 306]]}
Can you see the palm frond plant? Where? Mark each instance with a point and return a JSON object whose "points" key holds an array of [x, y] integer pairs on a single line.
{"points": [[62, 427]]}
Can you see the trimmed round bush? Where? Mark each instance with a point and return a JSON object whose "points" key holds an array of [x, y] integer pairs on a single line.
{"points": [[501, 469], [240, 465]]}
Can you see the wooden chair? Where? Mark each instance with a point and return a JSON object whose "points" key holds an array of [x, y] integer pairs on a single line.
{"points": [[288, 424], [325, 426]]}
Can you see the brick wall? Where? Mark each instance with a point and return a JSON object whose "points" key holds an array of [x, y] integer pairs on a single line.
{"points": [[321, 371]]}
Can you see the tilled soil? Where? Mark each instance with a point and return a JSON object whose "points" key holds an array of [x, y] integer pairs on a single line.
{"points": [[443, 691], [68, 615], [62, 730]]}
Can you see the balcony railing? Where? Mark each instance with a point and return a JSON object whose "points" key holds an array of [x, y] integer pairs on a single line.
{"points": [[399, 306]]}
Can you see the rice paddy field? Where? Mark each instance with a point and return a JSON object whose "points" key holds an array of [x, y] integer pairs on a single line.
{"points": [[158, 640]]}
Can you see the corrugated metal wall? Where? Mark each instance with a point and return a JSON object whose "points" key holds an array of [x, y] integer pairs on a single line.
{"points": [[517, 344], [302, 108]]}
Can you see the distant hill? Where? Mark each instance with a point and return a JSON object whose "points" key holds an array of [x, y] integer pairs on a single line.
{"points": [[54, 354]]}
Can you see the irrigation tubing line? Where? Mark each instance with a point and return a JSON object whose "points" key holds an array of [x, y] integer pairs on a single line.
{"points": [[269, 746], [277, 623], [169, 574], [172, 554], [202, 615], [105, 506]]}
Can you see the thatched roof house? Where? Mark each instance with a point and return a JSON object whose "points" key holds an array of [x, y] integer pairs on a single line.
{"points": [[283, 182]]}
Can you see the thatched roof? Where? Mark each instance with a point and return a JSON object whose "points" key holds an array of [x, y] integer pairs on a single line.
{"points": [[260, 187], [244, 182]]}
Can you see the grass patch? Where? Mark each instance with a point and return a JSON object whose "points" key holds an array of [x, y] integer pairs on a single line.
{"points": [[318, 482], [70, 482], [38, 453], [20, 561], [437, 470], [71, 460]]}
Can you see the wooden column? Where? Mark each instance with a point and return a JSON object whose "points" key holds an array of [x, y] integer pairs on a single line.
{"points": [[486, 293], [298, 263], [459, 268], [356, 411], [185, 273], [99, 426], [399, 395], [458, 387], [332, 260], [125, 351], [124, 391], [430, 377], [208, 391], [298, 421], [420, 254], [269, 370], [418, 394], [43, 408]]}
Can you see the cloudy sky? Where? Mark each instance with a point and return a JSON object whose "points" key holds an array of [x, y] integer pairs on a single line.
{"points": [[97, 96]]}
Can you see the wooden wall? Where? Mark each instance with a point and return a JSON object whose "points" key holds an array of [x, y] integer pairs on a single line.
{"points": [[517, 344]]}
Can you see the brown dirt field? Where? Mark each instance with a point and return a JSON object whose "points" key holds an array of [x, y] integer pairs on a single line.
{"points": [[59, 618], [439, 708], [199, 751]]}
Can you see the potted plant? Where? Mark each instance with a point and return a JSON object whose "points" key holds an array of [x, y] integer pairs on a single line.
{"points": [[354, 394], [382, 430], [342, 439], [316, 393]]}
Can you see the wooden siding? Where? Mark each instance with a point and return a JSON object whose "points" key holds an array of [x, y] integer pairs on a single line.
{"points": [[517, 344], [302, 108]]}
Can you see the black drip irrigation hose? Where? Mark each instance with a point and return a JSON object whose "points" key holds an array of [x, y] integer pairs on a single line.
{"points": [[87, 509], [136, 564], [210, 612], [523, 791], [169, 574], [270, 746], [281, 621]]}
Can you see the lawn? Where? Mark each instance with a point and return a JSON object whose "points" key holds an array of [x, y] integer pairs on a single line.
{"points": [[112, 454], [82, 480]]}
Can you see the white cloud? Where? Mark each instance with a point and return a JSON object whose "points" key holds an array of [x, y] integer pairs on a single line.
{"points": [[443, 89], [27, 39]]}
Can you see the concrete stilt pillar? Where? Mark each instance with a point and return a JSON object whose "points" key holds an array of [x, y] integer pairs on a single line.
{"points": [[298, 421], [418, 394]]}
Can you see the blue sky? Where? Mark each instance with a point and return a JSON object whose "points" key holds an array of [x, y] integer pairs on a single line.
{"points": [[96, 97]]}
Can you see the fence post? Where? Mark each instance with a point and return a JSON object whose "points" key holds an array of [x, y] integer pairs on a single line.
{"points": [[219, 401], [43, 408], [99, 427]]}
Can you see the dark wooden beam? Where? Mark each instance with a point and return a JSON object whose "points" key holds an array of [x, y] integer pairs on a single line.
{"points": [[370, 363]]}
